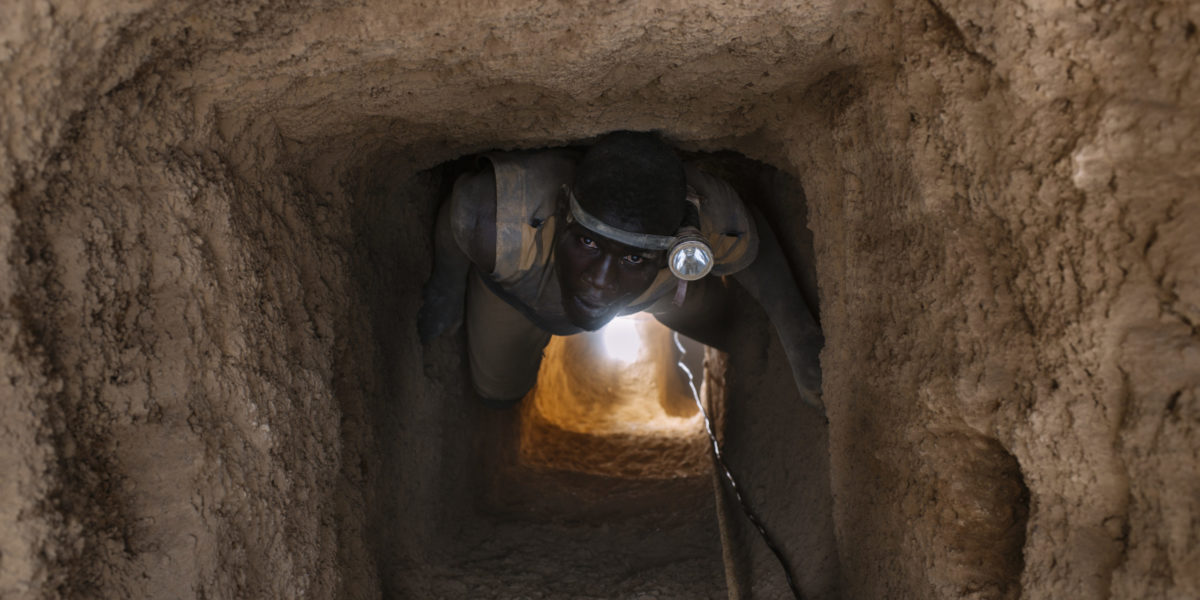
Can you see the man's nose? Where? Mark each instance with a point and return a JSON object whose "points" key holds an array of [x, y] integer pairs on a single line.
{"points": [[600, 274]]}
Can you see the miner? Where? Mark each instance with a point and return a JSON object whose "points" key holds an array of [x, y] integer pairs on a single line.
{"points": [[548, 242]]}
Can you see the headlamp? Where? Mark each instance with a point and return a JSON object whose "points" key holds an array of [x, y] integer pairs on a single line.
{"points": [[688, 254], [691, 257]]}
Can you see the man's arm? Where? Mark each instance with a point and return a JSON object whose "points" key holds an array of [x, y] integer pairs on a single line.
{"points": [[709, 307], [770, 281], [465, 234]]}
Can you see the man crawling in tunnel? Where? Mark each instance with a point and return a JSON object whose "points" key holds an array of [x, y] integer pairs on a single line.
{"points": [[549, 242]]}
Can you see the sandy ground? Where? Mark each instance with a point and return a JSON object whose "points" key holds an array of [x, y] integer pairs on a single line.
{"points": [[214, 225]]}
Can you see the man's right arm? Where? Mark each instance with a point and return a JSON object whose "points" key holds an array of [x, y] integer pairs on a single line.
{"points": [[465, 234], [472, 219]]}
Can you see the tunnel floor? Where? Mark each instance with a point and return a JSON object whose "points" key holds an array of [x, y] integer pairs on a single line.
{"points": [[587, 553], [531, 532]]}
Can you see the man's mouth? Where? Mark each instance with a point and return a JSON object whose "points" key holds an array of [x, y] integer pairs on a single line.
{"points": [[589, 305]]}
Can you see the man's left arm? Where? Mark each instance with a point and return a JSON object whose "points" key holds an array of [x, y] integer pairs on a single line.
{"points": [[709, 306], [770, 281]]}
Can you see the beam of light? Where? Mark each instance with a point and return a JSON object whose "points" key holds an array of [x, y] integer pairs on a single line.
{"points": [[622, 340]]}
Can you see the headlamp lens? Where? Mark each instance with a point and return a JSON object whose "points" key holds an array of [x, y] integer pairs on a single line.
{"points": [[690, 260]]}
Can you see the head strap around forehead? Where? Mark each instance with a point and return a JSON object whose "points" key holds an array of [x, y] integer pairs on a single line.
{"points": [[638, 240]]}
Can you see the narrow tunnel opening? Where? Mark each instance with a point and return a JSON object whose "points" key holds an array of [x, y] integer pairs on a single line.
{"points": [[616, 402], [556, 492], [540, 498]]}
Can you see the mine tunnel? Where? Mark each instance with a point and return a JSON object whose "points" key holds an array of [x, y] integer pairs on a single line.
{"points": [[600, 483], [216, 222]]}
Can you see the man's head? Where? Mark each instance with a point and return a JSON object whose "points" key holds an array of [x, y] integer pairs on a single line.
{"points": [[631, 181]]}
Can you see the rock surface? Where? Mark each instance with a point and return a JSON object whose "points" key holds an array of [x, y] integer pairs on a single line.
{"points": [[214, 225]]}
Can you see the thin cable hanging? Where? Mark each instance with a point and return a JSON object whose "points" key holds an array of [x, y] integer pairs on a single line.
{"points": [[719, 458]]}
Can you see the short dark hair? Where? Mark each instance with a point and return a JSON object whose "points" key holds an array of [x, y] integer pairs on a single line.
{"points": [[634, 180]]}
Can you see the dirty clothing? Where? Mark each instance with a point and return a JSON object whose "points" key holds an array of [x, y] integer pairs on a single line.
{"points": [[523, 282], [503, 346]]}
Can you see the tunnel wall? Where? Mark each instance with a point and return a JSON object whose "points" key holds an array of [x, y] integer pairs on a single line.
{"points": [[999, 220], [189, 318], [1000, 200], [176, 328]]}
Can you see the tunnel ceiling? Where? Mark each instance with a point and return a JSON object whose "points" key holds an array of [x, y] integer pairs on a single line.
{"points": [[541, 73]]}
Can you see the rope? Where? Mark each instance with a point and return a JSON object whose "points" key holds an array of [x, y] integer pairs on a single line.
{"points": [[719, 458]]}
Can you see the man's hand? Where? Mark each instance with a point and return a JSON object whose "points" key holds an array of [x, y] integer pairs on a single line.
{"points": [[441, 309], [803, 351]]}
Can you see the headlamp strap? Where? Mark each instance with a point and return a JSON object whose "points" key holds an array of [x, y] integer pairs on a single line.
{"points": [[680, 292], [637, 240]]}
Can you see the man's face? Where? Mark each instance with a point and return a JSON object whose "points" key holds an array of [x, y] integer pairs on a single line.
{"points": [[600, 277]]}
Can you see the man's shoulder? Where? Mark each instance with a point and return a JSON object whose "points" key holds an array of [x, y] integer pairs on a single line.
{"points": [[543, 161], [504, 195], [528, 187], [473, 216], [505, 175], [553, 166], [724, 219]]}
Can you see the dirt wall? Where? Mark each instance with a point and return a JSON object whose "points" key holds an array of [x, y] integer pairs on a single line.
{"points": [[214, 224], [1000, 218]]}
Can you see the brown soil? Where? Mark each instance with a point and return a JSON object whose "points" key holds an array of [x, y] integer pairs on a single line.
{"points": [[215, 222]]}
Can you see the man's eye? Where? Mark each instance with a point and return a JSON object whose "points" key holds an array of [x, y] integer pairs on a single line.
{"points": [[587, 241], [633, 259]]}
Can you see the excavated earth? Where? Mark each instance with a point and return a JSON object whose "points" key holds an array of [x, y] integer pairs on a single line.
{"points": [[215, 221]]}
